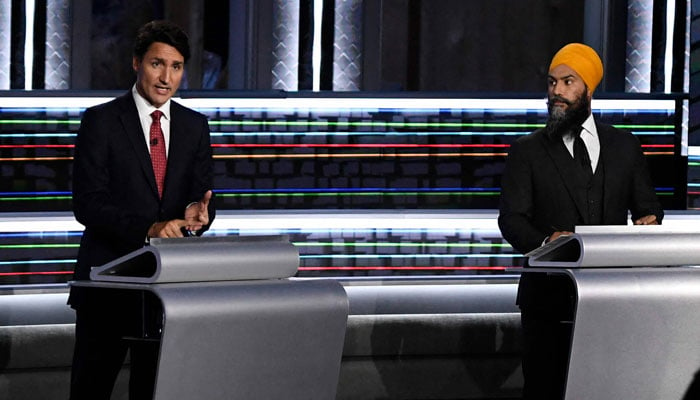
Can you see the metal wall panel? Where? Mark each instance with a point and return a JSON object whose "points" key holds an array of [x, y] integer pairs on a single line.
{"points": [[5, 31], [58, 45], [285, 51], [347, 52], [638, 61]]}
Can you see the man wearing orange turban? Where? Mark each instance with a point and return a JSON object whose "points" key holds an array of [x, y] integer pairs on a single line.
{"points": [[574, 171]]}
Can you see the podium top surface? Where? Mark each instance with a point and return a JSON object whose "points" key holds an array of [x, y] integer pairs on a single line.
{"points": [[620, 246], [197, 259]]}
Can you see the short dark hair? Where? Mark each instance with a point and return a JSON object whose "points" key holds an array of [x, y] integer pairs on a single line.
{"points": [[164, 32]]}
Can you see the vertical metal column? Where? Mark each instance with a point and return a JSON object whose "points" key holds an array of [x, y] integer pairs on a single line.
{"points": [[5, 44], [639, 35], [285, 50], [347, 52], [58, 45]]}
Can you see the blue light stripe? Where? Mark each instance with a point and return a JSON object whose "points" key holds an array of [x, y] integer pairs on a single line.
{"points": [[36, 262], [36, 135], [347, 190], [40, 235]]}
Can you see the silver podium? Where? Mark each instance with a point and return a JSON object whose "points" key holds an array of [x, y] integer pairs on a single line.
{"points": [[231, 323], [636, 332]]}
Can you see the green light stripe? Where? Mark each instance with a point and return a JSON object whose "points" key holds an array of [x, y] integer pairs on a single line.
{"points": [[356, 194], [626, 126], [413, 124], [396, 244], [35, 198], [39, 121], [693, 164], [40, 246]]}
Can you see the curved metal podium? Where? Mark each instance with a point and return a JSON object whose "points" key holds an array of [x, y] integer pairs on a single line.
{"points": [[636, 332], [233, 325]]}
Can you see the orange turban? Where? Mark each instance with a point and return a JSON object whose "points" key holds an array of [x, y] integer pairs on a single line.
{"points": [[582, 59]]}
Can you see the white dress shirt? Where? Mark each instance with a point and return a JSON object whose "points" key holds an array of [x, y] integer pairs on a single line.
{"points": [[589, 134], [145, 109]]}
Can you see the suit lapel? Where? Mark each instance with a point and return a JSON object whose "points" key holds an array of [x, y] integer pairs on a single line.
{"points": [[132, 127], [176, 147], [606, 159], [570, 173]]}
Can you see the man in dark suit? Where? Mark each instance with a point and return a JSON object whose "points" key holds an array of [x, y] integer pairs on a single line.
{"points": [[575, 171], [142, 169]]}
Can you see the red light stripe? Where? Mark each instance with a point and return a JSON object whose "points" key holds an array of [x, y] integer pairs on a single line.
{"points": [[368, 145], [36, 273], [374, 155], [37, 146]]}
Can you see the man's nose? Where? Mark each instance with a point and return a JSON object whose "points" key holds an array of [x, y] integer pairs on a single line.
{"points": [[165, 75]]}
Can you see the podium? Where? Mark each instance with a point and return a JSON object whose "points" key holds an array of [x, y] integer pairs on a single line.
{"points": [[636, 332], [231, 322]]}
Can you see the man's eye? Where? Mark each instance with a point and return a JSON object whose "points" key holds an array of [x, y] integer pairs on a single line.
{"points": [[155, 63]]}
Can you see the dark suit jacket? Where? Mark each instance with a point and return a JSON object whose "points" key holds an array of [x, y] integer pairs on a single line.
{"points": [[114, 188], [540, 195]]}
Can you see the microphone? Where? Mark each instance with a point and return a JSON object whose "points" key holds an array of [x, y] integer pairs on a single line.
{"points": [[154, 142]]}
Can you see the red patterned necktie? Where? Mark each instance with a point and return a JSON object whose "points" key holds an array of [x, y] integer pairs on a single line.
{"points": [[158, 151]]}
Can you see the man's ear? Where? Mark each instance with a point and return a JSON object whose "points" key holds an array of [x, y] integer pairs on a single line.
{"points": [[135, 63]]}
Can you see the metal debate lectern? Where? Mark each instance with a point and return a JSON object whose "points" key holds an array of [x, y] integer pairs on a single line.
{"points": [[636, 332], [234, 326]]}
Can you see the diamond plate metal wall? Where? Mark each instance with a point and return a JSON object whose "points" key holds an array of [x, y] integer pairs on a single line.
{"points": [[58, 42], [285, 51], [347, 51], [639, 35], [5, 32]]}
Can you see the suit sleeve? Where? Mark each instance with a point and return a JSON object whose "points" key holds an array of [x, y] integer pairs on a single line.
{"points": [[515, 218], [93, 202], [644, 200], [203, 172]]}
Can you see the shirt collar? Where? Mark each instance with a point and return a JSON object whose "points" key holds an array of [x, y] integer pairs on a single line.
{"points": [[145, 108], [589, 126]]}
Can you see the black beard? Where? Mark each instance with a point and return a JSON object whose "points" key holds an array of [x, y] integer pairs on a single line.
{"points": [[574, 115]]}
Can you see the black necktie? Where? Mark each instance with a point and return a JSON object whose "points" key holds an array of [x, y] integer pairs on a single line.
{"points": [[581, 153]]}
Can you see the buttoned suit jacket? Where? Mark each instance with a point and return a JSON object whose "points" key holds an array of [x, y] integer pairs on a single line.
{"points": [[543, 189], [114, 189]]}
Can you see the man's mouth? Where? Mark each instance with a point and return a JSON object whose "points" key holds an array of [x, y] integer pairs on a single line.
{"points": [[558, 101]]}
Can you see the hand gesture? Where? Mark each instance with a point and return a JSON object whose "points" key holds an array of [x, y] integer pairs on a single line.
{"points": [[197, 214]]}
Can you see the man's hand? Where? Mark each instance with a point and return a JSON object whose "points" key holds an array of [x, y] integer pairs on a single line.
{"points": [[556, 234], [167, 229], [197, 214], [647, 220]]}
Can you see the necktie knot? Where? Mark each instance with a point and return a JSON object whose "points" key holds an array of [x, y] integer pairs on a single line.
{"points": [[155, 115]]}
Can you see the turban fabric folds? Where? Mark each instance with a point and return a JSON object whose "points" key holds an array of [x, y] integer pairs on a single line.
{"points": [[582, 59]]}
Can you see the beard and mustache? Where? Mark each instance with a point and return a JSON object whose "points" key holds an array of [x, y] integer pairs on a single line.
{"points": [[561, 121]]}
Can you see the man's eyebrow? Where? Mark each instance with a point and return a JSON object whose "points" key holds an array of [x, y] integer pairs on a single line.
{"points": [[162, 61], [563, 77]]}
